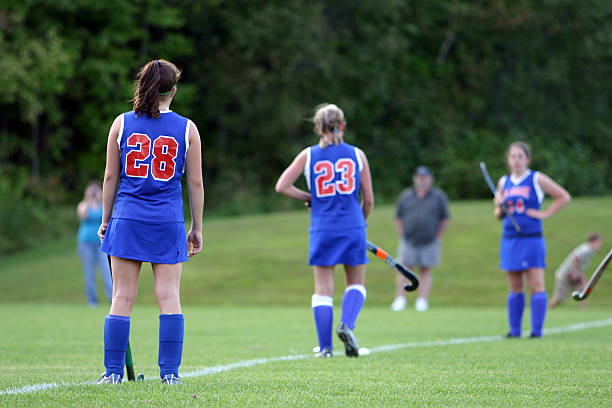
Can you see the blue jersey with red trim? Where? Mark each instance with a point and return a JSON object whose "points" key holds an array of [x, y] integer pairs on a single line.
{"points": [[333, 176], [520, 195], [152, 163]]}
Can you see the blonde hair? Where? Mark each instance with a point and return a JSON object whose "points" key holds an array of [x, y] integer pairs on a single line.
{"points": [[328, 118]]}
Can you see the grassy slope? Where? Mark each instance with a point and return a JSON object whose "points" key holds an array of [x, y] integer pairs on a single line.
{"points": [[262, 259]]}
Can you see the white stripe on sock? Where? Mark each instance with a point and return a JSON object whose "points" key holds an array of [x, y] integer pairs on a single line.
{"points": [[320, 300], [358, 287]]}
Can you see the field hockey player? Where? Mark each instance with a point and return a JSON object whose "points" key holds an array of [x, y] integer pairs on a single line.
{"points": [[523, 254], [148, 151], [336, 173]]}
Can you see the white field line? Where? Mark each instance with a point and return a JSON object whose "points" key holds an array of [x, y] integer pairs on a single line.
{"points": [[260, 361]]}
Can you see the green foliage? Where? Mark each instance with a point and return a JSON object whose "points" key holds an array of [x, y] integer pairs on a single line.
{"points": [[442, 83]]}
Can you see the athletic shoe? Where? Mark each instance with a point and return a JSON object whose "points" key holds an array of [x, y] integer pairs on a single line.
{"points": [[399, 303], [171, 379], [111, 379], [535, 336], [512, 336], [351, 348], [325, 353], [421, 305]]}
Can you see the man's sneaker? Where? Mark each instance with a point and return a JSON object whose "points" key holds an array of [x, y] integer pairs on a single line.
{"points": [[325, 353], [421, 304], [110, 379], [399, 303], [171, 379], [348, 338]]}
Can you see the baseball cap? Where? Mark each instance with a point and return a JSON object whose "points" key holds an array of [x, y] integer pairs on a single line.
{"points": [[423, 171]]}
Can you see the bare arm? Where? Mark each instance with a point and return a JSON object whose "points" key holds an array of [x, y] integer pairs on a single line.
{"points": [[195, 185], [442, 228], [111, 176], [560, 197], [82, 210], [367, 192], [399, 226], [285, 186]]}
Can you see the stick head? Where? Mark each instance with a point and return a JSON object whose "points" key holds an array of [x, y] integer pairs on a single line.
{"points": [[576, 295]]}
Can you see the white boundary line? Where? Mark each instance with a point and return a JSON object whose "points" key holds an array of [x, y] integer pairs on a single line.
{"points": [[260, 361]]}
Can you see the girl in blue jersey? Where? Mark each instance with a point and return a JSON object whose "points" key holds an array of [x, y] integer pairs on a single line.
{"points": [[148, 151], [523, 254], [336, 173]]}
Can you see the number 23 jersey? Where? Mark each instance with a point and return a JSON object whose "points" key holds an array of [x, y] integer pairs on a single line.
{"points": [[153, 155], [333, 176]]}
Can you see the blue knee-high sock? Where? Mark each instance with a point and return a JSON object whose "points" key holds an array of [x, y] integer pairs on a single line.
{"points": [[353, 299], [539, 303], [323, 311], [516, 305], [171, 331], [116, 336]]}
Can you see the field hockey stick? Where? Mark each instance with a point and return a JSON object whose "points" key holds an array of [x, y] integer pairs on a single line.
{"points": [[129, 362], [487, 178], [577, 295], [382, 254]]}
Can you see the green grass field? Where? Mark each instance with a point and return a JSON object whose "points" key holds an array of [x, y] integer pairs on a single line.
{"points": [[249, 331]]}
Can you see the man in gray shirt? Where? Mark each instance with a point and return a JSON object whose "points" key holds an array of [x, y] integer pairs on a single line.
{"points": [[421, 217]]}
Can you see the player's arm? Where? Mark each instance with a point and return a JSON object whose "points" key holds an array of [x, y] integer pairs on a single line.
{"points": [[285, 182], [367, 192], [195, 186], [498, 200], [111, 175], [560, 197]]}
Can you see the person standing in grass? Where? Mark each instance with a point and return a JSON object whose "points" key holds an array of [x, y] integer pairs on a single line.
{"points": [[89, 212], [148, 151], [570, 274], [421, 217], [336, 174], [523, 254]]}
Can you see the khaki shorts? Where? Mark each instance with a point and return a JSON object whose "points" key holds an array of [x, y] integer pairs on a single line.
{"points": [[563, 288], [425, 256]]}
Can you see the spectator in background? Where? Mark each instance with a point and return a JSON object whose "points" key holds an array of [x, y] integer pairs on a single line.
{"points": [[90, 213], [421, 218], [570, 274]]}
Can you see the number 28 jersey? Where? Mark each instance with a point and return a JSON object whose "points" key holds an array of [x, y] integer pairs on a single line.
{"points": [[333, 176], [153, 155]]}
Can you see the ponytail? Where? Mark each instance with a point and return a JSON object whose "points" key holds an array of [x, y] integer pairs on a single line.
{"points": [[154, 81], [329, 118]]}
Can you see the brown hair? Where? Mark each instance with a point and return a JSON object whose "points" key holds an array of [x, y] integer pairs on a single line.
{"points": [[154, 81], [521, 145], [328, 118], [594, 237]]}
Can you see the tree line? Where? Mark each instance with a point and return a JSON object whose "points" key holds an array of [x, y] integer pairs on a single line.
{"points": [[446, 83]]}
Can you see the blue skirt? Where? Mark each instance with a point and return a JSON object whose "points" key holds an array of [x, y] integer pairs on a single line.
{"points": [[164, 242], [522, 253], [328, 248]]}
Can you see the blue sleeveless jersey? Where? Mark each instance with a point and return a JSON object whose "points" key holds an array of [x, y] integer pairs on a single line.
{"points": [[519, 196], [152, 164], [333, 176]]}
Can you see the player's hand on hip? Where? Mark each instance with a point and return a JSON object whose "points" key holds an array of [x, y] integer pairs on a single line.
{"points": [[102, 231], [194, 243]]}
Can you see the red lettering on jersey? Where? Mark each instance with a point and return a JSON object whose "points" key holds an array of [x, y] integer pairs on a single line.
{"points": [[133, 160], [346, 167], [522, 191], [324, 185], [164, 158]]}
